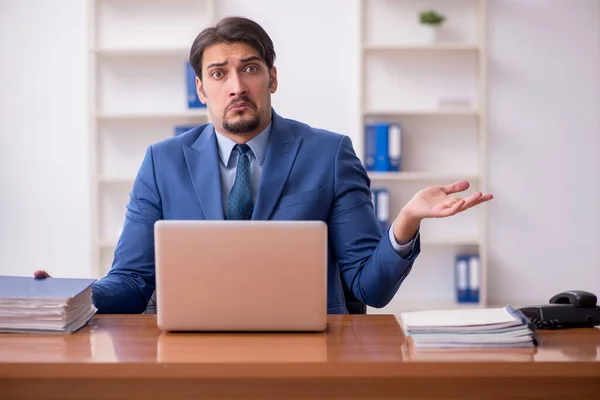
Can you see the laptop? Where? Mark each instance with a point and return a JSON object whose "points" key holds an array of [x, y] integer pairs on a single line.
{"points": [[241, 275]]}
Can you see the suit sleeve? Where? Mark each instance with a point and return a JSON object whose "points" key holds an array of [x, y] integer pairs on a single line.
{"points": [[128, 286], [368, 263]]}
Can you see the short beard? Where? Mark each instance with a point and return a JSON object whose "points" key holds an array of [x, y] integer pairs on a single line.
{"points": [[243, 126]]}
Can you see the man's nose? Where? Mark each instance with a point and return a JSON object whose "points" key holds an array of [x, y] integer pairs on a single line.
{"points": [[237, 86]]}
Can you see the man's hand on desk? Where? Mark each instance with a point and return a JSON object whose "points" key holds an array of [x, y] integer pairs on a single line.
{"points": [[434, 202], [40, 274]]}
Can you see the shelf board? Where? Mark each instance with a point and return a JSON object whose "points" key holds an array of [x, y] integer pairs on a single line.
{"points": [[425, 113], [407, 306], [199, 113], [450, 242], [141, 52], [421, 47], [421, 176]]}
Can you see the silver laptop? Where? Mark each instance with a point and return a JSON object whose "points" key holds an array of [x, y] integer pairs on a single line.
{"points": [[241, 275]]}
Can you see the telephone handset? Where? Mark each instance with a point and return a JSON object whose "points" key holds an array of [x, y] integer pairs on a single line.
{"points": [[569, 309]]}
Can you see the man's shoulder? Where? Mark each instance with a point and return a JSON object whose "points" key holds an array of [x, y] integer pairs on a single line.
{"points": [[310, 133]]}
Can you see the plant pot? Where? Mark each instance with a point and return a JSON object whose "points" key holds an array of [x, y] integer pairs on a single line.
{"points": [[427, 34]]}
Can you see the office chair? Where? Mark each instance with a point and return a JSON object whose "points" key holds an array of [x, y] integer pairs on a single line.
{"points": [[151, 307], [352, 304]]}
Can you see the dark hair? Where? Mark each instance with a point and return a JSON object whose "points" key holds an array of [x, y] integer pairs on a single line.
{"points": [[231, 30]]}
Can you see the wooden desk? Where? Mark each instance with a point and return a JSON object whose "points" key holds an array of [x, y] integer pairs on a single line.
{"points": [[359, 357]]}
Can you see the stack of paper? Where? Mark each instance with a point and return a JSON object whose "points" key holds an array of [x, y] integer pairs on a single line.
{"points": [[488, 327], [52, 304]]}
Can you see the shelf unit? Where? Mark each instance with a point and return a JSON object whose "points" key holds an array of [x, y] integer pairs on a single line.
{"points": [[192, 114], [137, 51], [137, 95], [146, 52], [423, 113], [418, 47], [420, 176], [407, 80]]}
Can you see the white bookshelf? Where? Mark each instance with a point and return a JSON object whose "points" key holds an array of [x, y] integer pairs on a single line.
{"points": [[421, 176], [192, 114], [418, 47], [422, 112], [137, 95], [137, 51], [142, 52], [437, 92]]}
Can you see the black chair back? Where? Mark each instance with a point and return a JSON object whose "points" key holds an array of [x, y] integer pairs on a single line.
{"points": [[352, 304]]}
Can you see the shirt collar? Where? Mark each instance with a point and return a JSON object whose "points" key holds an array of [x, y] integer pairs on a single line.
{"points": [[258, 145]]}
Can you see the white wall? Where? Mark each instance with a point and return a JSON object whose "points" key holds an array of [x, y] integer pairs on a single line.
{"points": [[544, 169], [44, 192], [544, 125]]}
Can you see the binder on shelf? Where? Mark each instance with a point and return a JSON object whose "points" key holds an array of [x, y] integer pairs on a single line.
{"points": [[395, 147], [370, 147], [467, 278], [383, 147], [474, 279], [382, 154], [461, 278], [179, 129], [381, 198], [193, 101]]}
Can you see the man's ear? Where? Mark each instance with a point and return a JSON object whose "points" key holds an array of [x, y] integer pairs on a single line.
{"points": [[200, 90], [273, 79]]}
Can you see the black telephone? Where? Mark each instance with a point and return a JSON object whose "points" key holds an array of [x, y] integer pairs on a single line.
{"points": [[570, 309]]}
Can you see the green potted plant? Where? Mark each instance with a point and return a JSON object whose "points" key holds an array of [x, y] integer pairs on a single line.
{"points": [[430, 21]]}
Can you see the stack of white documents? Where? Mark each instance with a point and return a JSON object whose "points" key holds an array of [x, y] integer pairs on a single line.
{"points": [[462, 328], [38, 305]]}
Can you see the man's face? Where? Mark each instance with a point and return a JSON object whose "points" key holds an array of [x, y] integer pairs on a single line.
{"points": [[236, 86]]}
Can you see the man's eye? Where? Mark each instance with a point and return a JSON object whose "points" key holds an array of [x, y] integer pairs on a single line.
{"points": [[252, 68], [217, 74]]}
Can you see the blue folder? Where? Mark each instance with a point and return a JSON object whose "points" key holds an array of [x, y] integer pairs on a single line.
{"points": [[179, 129], [21, 287], [193, 101]]}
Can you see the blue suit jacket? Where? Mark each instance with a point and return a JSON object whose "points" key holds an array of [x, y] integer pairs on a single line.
{"points": [[308, 174]]}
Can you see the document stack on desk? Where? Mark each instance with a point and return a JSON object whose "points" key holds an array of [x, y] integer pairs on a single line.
{"points": [[468, 328], [45, 305]]}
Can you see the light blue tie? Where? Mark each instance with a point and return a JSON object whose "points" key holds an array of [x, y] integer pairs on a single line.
{"points": [[239, 203]]}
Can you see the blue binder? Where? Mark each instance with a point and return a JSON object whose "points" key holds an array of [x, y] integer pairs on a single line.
{"points": [[474, 279], [193, 100], [382, 207], [382, 153], [461, 278], [179, 129], [395, 147], [370, 147]]}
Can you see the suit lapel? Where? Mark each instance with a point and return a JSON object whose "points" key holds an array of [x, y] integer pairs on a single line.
{"points": [[281, 153], [203, 164]]}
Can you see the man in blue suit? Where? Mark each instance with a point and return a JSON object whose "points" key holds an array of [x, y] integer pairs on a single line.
{"points": [[250, 163]]}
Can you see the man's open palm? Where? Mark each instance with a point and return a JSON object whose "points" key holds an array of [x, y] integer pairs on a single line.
{"points": [[41, 274], [438, 202]]}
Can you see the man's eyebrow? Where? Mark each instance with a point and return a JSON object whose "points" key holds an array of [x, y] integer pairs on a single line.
{"points": [[220, 64], [251, 58], [242, 60]]}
